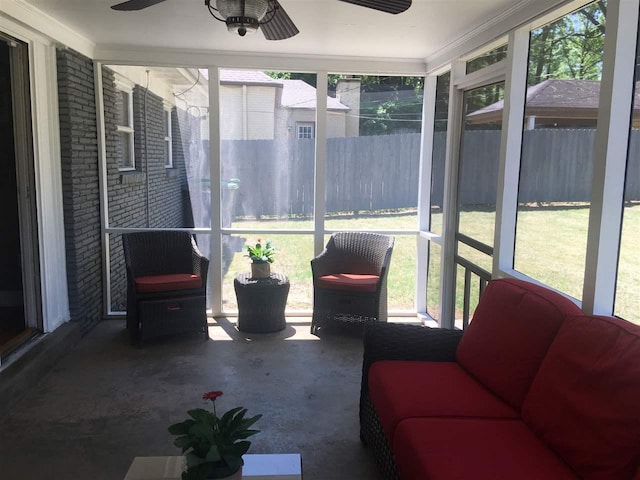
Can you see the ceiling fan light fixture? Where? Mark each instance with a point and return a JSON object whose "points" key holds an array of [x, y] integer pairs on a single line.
{"points": [[242, 16]]}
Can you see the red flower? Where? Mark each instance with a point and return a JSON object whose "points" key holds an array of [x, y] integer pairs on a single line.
{"points": [[212, 395]]}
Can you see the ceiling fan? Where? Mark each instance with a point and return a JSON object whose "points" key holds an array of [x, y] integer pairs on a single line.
{"points": [[247, 16]]}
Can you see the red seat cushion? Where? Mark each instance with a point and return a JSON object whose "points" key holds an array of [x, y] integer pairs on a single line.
{"points": [[167, 283], [349, 281], [585, 400], [401, 389], [474, 449], [512, 328]]}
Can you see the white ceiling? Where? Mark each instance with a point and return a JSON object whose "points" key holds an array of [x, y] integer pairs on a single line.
{"points": [[327, 27]]}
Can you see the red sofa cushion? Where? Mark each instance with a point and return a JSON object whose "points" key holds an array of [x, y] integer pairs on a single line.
{"points": [[167, 283], [585, 400], [512, 328], [350, 281], [474, 449], [401, 389]]}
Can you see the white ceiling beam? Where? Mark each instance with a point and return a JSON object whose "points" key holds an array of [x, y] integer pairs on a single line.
{"points": [[300, 63]]}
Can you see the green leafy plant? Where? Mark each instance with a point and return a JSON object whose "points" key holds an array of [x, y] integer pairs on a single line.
{"points": [[261, 252], [213, 446]]}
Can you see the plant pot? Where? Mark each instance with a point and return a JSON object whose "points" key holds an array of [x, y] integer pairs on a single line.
{"points": [[237, 475], [234, 476], [260, 270]]}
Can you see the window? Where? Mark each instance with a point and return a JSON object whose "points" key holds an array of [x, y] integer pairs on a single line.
{"points": [[267, 170], [168, 153], [554, 194], [478, 172], [124, 103], [486, 59], [374, 125], [305, 130], [477, 193]]}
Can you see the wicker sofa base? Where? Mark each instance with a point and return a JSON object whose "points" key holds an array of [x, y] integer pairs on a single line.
{"points": [[372, 435]]}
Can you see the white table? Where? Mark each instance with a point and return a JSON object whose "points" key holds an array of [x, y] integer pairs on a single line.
{"points": [[276, 466]]}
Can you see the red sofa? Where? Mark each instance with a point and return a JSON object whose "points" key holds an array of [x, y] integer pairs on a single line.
{"points": [[533, 389]]}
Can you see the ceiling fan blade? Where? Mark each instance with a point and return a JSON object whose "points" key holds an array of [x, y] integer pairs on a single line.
{"points": [[135, 5], [387, 6], [280, 26]]}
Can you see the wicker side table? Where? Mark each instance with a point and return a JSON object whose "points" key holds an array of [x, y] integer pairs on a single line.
{"points": [[261, 302]]}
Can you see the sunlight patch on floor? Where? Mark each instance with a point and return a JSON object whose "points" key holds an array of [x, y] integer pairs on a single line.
{"points": [[298, 328], [226, 329]]}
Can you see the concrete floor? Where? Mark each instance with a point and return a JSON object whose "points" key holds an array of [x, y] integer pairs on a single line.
{"points": [[107, 402]]}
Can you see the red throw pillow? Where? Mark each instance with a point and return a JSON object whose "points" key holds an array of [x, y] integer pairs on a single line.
{"points": [[512, 328], [585, 400]]}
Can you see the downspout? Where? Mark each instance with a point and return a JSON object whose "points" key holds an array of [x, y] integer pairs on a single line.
{"points": [[146, 149]]}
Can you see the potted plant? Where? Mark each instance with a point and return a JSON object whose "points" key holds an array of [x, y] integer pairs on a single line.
{"points": [[262, 256], [213, 446]]}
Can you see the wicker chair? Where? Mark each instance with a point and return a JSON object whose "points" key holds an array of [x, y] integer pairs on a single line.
{"points": [[350, 279], [166, 284]]}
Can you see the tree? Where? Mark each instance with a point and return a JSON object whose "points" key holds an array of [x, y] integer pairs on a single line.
{"points": [[569, 48], [390, 105]]}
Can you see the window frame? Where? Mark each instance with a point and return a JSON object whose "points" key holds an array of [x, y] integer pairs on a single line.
{"points": [[125, 86]]}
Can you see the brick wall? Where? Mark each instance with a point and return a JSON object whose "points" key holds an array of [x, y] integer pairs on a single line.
{"points": [[81, 200], [152, 195]]}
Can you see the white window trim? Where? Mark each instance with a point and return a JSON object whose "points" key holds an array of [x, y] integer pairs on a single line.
{"points": [[305, 125], [168, 138], [126, 86]]}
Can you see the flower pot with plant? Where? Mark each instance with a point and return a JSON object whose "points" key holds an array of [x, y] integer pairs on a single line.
{"points": [[213, 446], [262, 256]]}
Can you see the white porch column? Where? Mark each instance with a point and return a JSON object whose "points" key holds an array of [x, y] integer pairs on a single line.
{"points": [[424, 193], [320, 177], [610, 157]]}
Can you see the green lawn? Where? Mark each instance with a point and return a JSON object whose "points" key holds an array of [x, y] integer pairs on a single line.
{"points": [[550, 247]]}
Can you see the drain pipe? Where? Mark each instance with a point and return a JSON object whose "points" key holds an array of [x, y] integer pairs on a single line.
{"points": [[146, 149]]}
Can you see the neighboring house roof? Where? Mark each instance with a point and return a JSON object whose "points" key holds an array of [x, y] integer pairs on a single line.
{"points": [[248, 77], [555, 99], [299, 94], [295, 93]]}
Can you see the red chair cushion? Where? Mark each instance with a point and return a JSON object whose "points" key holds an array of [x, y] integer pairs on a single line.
{"points": [[474, 449], [349, 281], [401, 389], [512, 328], [167, 283], [585, 400]]}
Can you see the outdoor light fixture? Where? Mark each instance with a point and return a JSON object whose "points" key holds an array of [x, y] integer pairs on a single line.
{"points": [[242, 16]]}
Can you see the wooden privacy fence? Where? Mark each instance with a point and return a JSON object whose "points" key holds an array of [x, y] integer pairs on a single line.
{"points": [[381, 172], [363, 173]]}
